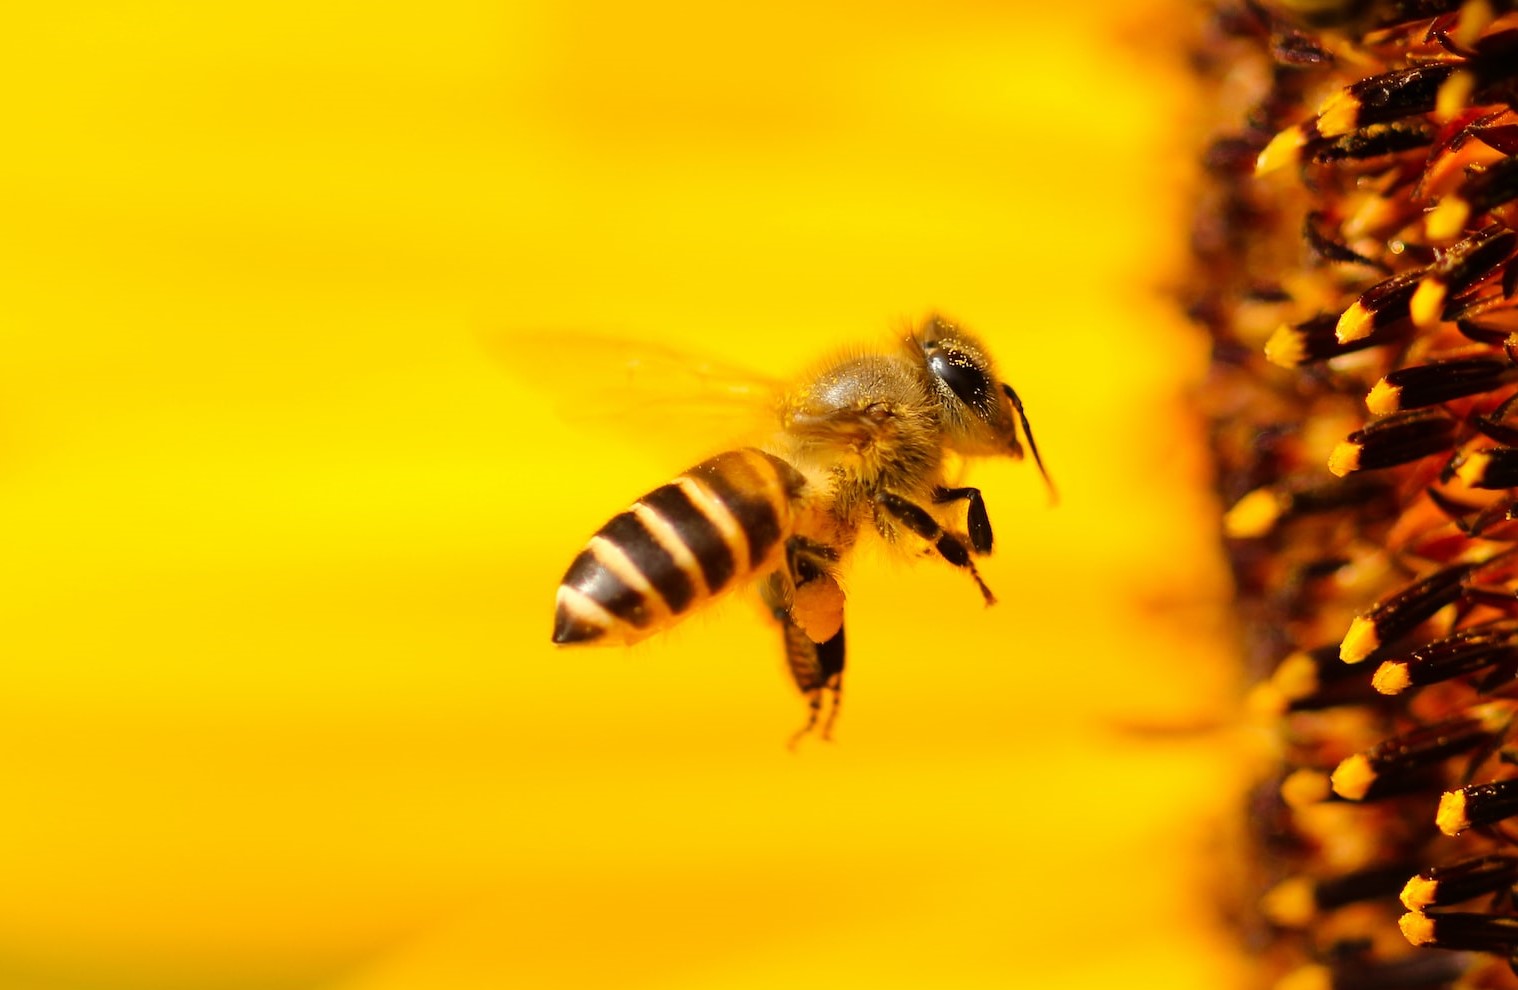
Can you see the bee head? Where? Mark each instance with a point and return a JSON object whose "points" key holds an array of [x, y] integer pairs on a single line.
{"points": [[980, 413]]}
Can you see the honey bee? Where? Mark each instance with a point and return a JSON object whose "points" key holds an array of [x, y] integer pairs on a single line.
{"points": [[859, 446]]}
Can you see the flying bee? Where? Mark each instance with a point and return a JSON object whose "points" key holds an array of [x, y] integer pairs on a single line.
{"points": [[860, 445]]}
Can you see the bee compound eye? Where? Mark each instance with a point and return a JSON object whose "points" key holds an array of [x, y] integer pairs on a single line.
{"points": [[963, 376]]}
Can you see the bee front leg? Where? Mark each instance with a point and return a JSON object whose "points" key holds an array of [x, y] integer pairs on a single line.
{"points": [[976, 519], [921, 522]]}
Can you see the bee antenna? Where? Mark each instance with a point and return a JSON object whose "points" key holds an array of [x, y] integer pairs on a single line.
{"points": [[1032, 444]]}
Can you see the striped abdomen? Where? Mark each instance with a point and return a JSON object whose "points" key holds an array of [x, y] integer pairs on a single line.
{"points": [[713, 528]]}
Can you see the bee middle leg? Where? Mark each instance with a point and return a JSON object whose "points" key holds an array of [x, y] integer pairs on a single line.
{"points": [[921, 522], [976, 519]]}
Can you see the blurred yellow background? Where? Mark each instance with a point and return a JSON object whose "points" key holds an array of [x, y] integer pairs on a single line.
{"points": [[281, 528]]}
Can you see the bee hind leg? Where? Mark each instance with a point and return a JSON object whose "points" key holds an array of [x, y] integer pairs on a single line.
{"points": [[815, 599], [818, 672], [816, 668], [949, 547], [807, 560], [977, 521]]}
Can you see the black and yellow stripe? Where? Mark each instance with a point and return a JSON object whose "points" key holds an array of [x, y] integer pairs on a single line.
{"points": [[711, 529]]}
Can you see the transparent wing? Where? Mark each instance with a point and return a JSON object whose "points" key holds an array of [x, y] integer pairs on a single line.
{"points": [[643, 392]]}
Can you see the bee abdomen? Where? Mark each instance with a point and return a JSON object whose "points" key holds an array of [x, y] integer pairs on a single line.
{"points": [[709, 530]]}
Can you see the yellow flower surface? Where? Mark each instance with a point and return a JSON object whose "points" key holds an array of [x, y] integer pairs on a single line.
{"points": [[292, 295]]}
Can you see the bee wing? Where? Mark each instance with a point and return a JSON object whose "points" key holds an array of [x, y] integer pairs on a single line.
{"points": [[644, 392]]}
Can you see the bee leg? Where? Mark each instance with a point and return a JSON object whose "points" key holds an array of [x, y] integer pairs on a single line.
{"points": [[817, 668], [976, 519], [949, 546], [807, 560], [816, 600]]}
